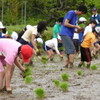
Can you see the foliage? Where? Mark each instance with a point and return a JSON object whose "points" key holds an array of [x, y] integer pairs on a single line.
{"points": [[64, 86], [65, 77], [40, 93], [57, 82], [32, 11], [93, 67], [28, 79]]}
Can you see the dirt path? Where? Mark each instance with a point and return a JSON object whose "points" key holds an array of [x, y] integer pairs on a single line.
{"points": [[85, 87]]}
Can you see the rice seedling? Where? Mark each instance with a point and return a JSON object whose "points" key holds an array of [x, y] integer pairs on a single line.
{"points": [[64, 86], [40, 93], [28, 71], [44, 60], [79, 72], [28, 79], [93, 67], [84, 64], [65, 77], [57, 82]]}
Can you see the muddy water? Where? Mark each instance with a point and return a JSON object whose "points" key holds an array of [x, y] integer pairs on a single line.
{"points": [[85, 87]]}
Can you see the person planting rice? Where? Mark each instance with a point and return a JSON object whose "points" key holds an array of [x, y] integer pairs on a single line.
{"points": [[30, 35], [88, 42], [10, 53]]}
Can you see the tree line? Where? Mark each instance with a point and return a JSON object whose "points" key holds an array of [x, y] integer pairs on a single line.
{"points": [[30, 11]]}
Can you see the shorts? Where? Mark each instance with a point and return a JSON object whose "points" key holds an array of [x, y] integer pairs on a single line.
{"points": [[46, 48], [85, 54], [98, 42], [2, 63], [76, 44], [68, 44]]}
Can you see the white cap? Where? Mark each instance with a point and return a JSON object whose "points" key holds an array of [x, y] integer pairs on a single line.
{"points": [[1, 25], [28, 27], [97, 29], [82, 19], [14, 35], [59, 37], [39, 40]]}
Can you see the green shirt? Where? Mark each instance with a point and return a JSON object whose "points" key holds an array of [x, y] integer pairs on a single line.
{"points": [[56, 30]]}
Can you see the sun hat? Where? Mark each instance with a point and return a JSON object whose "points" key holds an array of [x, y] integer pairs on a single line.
{"points": [[82, 19], [94, 9], [39, 40], [28, 27], [26, 52], [1, 25], [14, 35], [97, 29]]}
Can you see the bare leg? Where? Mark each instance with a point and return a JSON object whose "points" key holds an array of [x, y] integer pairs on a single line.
{"points": [[8, 76], [2, 75]]}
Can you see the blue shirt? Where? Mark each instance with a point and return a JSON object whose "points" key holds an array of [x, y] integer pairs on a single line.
{"points": [[96, 18], [73, 20]]}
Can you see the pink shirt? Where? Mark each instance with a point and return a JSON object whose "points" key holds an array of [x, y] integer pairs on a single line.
{"points": [[9, 49]]}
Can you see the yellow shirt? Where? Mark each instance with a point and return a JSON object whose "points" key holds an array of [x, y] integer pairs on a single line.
{"points": [[88, 40], [28, 33]]}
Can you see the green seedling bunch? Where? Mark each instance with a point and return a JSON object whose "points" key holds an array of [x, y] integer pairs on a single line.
{"points": [[57, 82], [79, 72], [28, 71], [44, 60], [84, 64], [64, 86], [40, 93], [65, 77], [93, 67], [28, 79]]}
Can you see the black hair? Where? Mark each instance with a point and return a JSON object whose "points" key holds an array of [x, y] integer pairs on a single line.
{"points": [[60, 19], [41, 26], [82, 8], [4, 30], [93, 21]]}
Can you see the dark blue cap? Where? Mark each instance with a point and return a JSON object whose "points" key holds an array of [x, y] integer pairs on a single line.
{"points": [[94, 9]]}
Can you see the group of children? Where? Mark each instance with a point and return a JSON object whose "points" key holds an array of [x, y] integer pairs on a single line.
{"points": [[25, 45]]}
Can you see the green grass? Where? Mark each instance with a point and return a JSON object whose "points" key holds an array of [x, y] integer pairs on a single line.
{"points": [[16, 28]]}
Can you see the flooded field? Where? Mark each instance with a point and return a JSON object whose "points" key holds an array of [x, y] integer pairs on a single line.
{"points": [[83, 87]]}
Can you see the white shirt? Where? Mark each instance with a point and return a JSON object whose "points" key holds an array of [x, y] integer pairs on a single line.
{"points": [[76, 36], [28, 33], [53, 43], [88, 29]]}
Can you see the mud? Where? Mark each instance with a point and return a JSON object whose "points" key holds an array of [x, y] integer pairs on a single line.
{"points": [[84, 87]]}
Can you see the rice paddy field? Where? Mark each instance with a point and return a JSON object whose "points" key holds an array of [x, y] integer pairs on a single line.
{"points": [[81, 83]]}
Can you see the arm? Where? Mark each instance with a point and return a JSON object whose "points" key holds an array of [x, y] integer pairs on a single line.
{"points": [[17, 63], [67, 24], [34, 43]]}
